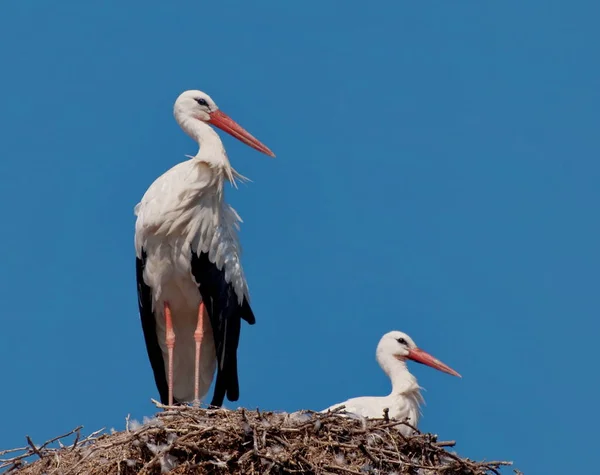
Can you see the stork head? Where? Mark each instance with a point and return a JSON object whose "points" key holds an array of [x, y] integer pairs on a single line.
{"points": [[197, 105], [401, 347]]}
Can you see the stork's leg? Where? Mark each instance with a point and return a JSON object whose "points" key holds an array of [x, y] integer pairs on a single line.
{"points": [[170, 340], [198, 335]]}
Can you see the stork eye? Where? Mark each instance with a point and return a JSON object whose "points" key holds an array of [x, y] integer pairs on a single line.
{"points": [[202, 102], [402, 341]]}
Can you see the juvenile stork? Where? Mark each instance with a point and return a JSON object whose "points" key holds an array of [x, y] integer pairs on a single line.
{"points": [[188, 263], [404, 401]]}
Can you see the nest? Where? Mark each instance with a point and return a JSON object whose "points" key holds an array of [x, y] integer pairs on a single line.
{"points": [[186, 440]]}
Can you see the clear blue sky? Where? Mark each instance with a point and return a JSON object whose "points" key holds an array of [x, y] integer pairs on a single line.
{"points": [[437, 172]]}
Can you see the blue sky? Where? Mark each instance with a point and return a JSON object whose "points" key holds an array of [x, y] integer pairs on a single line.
{"points": [[437, 173]]}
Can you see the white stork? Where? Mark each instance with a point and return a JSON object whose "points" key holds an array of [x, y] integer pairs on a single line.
{"points": [[188, 263], [404, 401]]}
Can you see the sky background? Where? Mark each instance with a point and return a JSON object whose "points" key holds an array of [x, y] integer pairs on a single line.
{"points": [[437, 173]]}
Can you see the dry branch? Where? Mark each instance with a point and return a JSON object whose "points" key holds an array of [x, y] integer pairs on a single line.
{"points": [[186, 440]]}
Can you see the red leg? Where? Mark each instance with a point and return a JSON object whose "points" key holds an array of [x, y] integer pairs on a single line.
{"points": [[170, 340], [198, 335]]}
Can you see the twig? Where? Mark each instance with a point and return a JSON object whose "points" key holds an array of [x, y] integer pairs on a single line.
{"points": [[342, 469], [76, 430], [364, 450], [448, 443], [33, 447], [9, 451]]}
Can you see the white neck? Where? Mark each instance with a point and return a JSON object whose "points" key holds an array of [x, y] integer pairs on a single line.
{"points": [[211, 148], [403, 381]]}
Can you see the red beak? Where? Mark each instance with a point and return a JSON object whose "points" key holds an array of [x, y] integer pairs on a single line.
{"points": [[420, 356], [224, 122]]}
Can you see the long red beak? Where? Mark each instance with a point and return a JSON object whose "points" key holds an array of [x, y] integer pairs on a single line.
{"points": [[224, 122], [420, 356]]}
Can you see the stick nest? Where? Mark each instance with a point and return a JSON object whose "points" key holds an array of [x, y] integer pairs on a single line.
{"points": [[186, 440]]}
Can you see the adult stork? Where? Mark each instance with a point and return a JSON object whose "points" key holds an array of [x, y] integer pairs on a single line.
{"points": [[188, 263], [405, 400]]}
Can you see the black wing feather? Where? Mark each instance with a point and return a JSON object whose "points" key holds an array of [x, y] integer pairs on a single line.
{"points": [[149, 326], [225, 314]]}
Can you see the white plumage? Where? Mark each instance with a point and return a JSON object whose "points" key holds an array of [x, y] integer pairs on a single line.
{"points": [[405, 400], [183, 219], [183, 211]]}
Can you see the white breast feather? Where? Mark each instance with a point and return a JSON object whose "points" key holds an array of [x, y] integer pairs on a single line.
{"points": [[183, 211]]}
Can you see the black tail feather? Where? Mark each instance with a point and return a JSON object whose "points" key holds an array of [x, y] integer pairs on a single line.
{"points": [[225, 314], [149, 327]]}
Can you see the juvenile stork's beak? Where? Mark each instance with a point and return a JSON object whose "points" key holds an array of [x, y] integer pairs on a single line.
{"points": [[227, 124], [420, 356]]}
